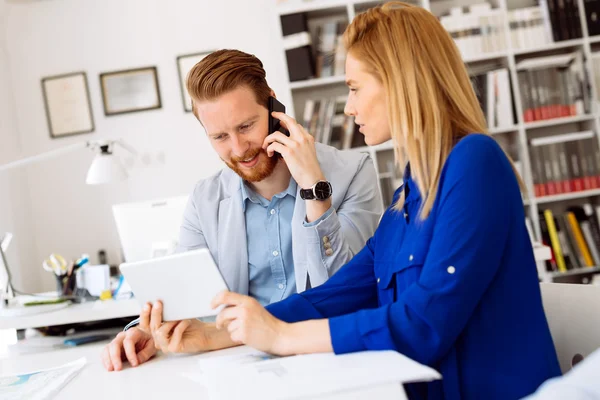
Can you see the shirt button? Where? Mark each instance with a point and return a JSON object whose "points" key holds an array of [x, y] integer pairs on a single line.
{"points": [[325, 239], [410, 258], [405, 215], [329, 252], [272, 211], [275, 253], [451, 269], [378, 280], [280, 286]]}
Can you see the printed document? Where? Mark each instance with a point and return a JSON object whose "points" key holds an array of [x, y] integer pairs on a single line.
{"points": [[248, 373], [39, 385]]}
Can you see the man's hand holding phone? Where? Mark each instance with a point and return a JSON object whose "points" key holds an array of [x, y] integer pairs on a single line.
{"points": [[300, 155], [297, 149]]}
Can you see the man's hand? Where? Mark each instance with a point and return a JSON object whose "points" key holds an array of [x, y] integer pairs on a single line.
{"points": [[298, 150], [249, 323], [187, 336], [135, 346], [300, 155], [139, 344]]}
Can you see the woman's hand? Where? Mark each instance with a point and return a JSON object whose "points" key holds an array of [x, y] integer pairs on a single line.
{"points": [[249, 323]]}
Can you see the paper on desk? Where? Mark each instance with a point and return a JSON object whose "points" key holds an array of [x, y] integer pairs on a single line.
{"points": [[39, 385], [255, 374]]}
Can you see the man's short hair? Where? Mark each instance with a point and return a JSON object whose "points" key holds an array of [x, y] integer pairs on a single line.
{"points": [[223, 71]]}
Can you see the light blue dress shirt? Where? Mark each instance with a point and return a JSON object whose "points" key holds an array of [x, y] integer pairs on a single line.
{"points": [[269, 237]]}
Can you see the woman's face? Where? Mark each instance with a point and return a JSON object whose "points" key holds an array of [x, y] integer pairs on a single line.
{"points": [[367, 102]]}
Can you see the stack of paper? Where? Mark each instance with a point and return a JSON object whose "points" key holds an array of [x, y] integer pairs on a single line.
{"points": [[252, 374], [38, 385]]}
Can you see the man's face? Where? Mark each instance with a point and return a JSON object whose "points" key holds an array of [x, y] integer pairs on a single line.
{"points": [[237, 127]]}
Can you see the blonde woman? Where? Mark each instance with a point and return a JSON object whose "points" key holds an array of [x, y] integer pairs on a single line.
{"points": [[449, 278]]}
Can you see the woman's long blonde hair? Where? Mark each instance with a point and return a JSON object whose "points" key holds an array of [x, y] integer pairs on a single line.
{"points": [[431, 102]]}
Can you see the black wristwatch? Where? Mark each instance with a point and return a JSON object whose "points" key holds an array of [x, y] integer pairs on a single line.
{"points": [[320, 191]]}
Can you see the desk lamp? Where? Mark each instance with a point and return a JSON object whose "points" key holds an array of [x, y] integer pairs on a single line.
{"points": [[104, 169]]}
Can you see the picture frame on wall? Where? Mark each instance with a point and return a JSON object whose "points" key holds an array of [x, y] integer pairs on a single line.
{"points": [[67, 104], [130, 90], [184, 64]]}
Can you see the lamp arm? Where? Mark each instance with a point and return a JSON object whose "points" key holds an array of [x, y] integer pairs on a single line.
{"points": [[126, 146], [43, 156]]}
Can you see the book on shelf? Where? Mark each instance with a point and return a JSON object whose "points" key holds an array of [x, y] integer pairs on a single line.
{"points": [[314, 46], [494, 94], [573, 237], [480, 30], [554, 87], [592, 16], [596, 74], [297, 43], [562, 18], [565, 163], [529, 28], [325, 120]]}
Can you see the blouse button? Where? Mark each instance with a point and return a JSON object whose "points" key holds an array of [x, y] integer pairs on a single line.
{"points": [[451, 269], [410, 258]]}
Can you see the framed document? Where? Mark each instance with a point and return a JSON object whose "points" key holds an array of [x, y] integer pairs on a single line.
{"points": [[67, 103], [184, 65], [130, 91]]}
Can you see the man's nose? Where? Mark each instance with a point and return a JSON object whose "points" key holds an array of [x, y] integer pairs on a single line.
{"points": [[239, 146]]}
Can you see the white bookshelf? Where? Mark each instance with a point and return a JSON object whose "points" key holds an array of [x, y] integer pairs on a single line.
{"points": [[521, 132]]}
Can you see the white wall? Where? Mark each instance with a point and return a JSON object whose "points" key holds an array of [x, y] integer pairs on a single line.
{"points": [[14, 203], [51, 37]]}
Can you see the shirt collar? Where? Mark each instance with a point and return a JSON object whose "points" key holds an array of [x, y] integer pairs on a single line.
{"points": [[251, 195], [411, 188]]}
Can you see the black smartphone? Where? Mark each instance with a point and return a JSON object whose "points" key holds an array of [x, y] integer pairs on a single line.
{"points": [[274, 123]]}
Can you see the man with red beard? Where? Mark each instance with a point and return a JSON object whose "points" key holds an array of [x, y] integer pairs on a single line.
{"points": [[285, 215]]}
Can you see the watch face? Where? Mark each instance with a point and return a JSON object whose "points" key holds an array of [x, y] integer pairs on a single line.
{"points": [[322, 190]]}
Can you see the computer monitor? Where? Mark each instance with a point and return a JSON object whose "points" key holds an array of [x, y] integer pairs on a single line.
{"points": [[149, 229]]}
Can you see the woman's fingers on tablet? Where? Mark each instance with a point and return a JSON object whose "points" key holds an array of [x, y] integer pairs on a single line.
{"points": [[227, 298], [226, 316], [234, 326]]}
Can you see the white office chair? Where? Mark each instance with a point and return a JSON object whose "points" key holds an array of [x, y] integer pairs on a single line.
{"points": [[573, 313]]}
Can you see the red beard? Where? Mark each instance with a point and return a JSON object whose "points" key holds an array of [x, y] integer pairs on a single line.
{"points": [[260, 171]]}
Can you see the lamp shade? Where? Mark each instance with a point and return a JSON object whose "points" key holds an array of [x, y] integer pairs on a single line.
{"points": [[104, 169]]}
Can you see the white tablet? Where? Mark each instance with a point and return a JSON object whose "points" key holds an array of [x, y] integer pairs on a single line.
{"points": [[185, 283]]}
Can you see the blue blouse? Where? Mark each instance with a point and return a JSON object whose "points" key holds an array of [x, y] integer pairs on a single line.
{"points": [[457, 291]]}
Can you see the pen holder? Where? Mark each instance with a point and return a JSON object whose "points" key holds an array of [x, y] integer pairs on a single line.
{"points": [[65, 284]]}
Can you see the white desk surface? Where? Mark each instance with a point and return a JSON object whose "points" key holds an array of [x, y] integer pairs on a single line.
{"points": [[161, 376], [75, 313]]}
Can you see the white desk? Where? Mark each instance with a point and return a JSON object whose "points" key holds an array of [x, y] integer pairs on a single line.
{"points": [[162, 376], [75, 313]]}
